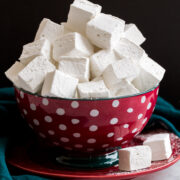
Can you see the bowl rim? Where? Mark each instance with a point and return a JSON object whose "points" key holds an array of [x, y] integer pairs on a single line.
{"points": [[89, 99]]}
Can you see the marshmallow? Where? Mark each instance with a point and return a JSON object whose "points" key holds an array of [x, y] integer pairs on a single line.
{"points": [[127, 49], [72, 44], [34, 73], [81, 11], [77, 67], [58, 84], [132, 33], [49, 30], [12, 73], [150, 75], [93, 89], [118, 71], [160, 146], [134, 158], [105, 30], [66, 30], [40, 47], [97, 78], [100, 60]]}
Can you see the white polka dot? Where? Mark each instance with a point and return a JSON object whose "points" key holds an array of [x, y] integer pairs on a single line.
{"points": [[126, 125], [60, 111], [130, 110], [134, 130], [90, 149], [76, 135], [21, 94], [75, 121], [143, 99], [157, 92], [117, 165], [42, 135], [36, 122], [94, 113], [68, 148], [17, 99], [124, 142], [25, 111], [62, 127], [78, 145], [64, 139], [110, 134], [115, 103], [91, 141], [30, 126], [119, 139], [45, 101], [154, 108], [114, 121], [140, 116], [74, 104], [93, 128], [48, 119], [145, 119], [56, 143], [33, 107], [51, 132], [105, 145], [149, 105]]}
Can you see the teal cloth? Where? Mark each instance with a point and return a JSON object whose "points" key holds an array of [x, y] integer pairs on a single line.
{"points": [[165, 114]]}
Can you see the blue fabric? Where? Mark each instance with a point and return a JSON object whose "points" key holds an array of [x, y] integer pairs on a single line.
{"points": [[165, 114]]}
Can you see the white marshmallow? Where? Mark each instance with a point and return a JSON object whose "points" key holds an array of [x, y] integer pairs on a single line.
{"points": [[100, 60], [160, 146], [12, 73], [134, 158], [81, 11], [66, 30], [97, 78], [150, 75], [127, 49], [72, 44], [34, 73], [105, 30], [77, 67], [132, 33], [41, 47], [119, 71], [93, 89], [49, 30], [58, 84]]}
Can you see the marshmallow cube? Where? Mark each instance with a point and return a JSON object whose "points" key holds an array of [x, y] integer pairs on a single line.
{"points": [[150, 75], [132, 33], [66, 30], [105, 30], [100, 60], [58, 84], [49, 30], [93, 89], [12, 73], [119, 71], [160, 146], [77, 67], [34, 73], [72, 44], [127, 49], [40, 47], [81, 11], [134, 158]]}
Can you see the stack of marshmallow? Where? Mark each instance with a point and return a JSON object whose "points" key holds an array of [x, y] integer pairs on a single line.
{"points": [[92, 55]]}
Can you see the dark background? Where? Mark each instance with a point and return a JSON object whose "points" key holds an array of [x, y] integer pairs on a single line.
{"points": [[159, 21]]}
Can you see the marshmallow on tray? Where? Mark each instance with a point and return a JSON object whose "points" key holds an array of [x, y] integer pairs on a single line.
{"points": [[75, 66], [132, 33], [58, 84], [150, 75], [105, 30], [34, 73], [41, 47], [81, 11], [119, 71], [72, 44], [93, 89], [160, 146], [134, 158], [49, 29], [100, 60], [12, 73]]}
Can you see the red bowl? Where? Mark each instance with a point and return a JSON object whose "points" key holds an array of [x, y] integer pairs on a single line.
{"points": [[87, 125]]}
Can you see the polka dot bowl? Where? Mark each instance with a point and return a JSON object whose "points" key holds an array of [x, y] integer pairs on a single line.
{"points": [[87, 125]]}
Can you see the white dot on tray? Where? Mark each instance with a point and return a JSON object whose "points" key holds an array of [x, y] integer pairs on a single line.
{"points": [[74, 104], [62, 127], [51, 132], [149, 105], [91, 140], [114, 121], [143, 99], [42, 135], [45, 101], [115, 103], [110, 134], [48, 119], [145, 119], [64, 139], [78, 145], [75, 121], [76, 135], [140, 116], [126, 125], [105, 145], [25, 111], [94, 113], [130, 110], [33, 107], [93, 128], [119, 139], [36, 122], [134, 130], [60, 111], [21, 94]]}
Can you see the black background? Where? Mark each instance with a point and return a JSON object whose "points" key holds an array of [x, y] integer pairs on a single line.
{"points": [[159, 21]]}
